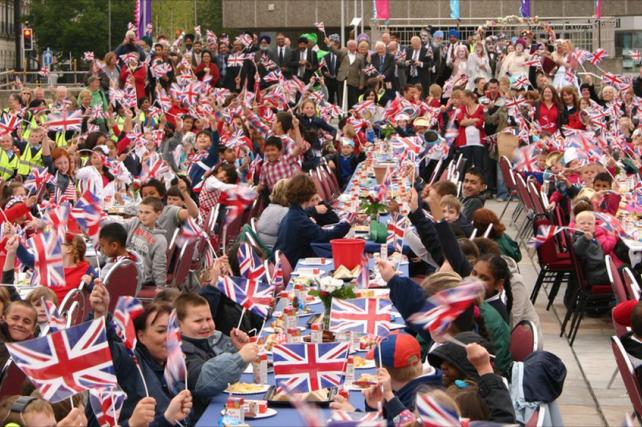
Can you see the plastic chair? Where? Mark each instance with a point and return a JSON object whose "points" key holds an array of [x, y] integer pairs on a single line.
{"points": [[285, 266], [616, 279], [598, 295], [184, 264], [523, 340], [509, 180], [627, 372], [334, 182], [75, 306], [121, 280], [12, 380], [317, 184], [537, 418], [631, 284]]}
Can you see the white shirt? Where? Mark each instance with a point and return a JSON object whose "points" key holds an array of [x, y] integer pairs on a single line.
{"points": [[352, 57]]}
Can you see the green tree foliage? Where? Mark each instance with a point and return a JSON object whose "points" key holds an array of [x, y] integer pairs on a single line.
{"points": [[77, 26], [171, 15]]}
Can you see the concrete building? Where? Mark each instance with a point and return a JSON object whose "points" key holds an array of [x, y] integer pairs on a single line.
{"points": [[7, 35]]}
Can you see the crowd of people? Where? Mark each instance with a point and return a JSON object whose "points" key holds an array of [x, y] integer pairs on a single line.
{"points": [[165, 131]]}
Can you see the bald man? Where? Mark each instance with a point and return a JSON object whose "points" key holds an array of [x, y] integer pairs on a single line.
{"points": [[419, 63], [351, 63], [385, 65]]}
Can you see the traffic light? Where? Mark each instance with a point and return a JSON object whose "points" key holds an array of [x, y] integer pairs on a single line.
{"points": [[27, 38]]}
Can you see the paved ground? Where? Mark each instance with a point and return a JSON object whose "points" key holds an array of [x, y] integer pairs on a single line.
{"points": [[586, 400]]}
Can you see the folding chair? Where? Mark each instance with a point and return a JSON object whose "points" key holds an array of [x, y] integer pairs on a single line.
{"points": [[631, 284], [12, 380], [523, 340], [121, 280], [627, 372], [584, 295], [509, 180], [616, 280]]}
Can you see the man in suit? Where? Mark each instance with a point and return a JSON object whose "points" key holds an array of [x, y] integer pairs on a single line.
{"points": [[440, 52], [419, 64], [303, 61], [350, 65], [399, 72], [221, 62], [385, 65], [281, 54], [329, 70]]}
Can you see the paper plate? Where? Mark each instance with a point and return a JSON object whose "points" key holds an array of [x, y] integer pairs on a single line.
{"points": [[269, 413]]}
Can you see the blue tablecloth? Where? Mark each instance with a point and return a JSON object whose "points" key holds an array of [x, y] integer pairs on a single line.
{"points": [[285, 416], [329, 266]]}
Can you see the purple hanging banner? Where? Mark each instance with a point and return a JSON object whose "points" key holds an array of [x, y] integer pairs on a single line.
{"points": [[525, 8], [144, 16]]}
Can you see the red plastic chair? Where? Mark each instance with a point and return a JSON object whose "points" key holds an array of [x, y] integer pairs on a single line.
{"points": [[509, 180], [616, 279], [631, 284], [12, 380], [285, 266], [121, 280], [523, 340], [537, 418], [334, 182], [184, 263], [585, 295], [325, 183], [627, 372], [317, 184], [75, 306]]}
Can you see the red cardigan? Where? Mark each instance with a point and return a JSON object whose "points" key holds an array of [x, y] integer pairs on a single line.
{"points": [[200, 73], [140, 76], [477, 114]]}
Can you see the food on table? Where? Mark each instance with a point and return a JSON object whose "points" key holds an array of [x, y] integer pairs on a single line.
{"points": [[245, 388], [360, 362], [274, 339], [342, 273], [365, 381], [314, 396]]}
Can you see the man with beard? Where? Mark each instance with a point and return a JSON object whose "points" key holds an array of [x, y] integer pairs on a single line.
{"points": [[439, 50]]}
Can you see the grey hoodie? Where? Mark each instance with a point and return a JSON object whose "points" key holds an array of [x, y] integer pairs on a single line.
{"points": [[151, 246], [522, 308]]}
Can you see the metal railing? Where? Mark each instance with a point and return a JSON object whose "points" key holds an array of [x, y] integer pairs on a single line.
{"points": [[585, 32], [35, 78]]}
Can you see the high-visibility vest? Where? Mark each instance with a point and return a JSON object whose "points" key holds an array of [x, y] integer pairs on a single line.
{"points": [[7, 167], [120, 123], [61, 139], [28, 162], [32, 124]]}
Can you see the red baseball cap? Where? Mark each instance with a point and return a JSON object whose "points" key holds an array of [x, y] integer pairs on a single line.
{"points": [[398, 351]]}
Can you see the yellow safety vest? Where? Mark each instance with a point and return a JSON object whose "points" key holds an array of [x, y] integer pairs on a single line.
{"points": [[120, 124], [61, 139], [7, 167], [33, 124], [28, 162]]}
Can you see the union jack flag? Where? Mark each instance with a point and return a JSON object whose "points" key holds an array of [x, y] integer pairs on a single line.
{"points": [[357, 419], [8, 123], [236, 200], [254, 169], [435, 414], [526, 158], [48, 268], [44, 71], [250, 264], [154, 167], [363, 279], [522, 81], [56, 321], [396, 233], [515, 103], [544, 234], [38, 178], [245, 39], [67, 362], [370, 69], [65, 121], [278, 281], [235, 60], [128, 57], [88, 56], [597, 56], [127, 309], [211, 37], [88, 214], [250, 294], [534, 61], [273, 76], [160, 69], [162, 99], [175, 368], [635, 55], [58, 217], [309, 367], [366, 315], [444, 307], [107, 404], [613, 79]]}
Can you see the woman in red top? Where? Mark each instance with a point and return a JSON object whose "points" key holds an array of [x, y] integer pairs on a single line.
{"points": [[471, 139], [547, 112], [207, 69], [571, 109], [136, 74]]}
